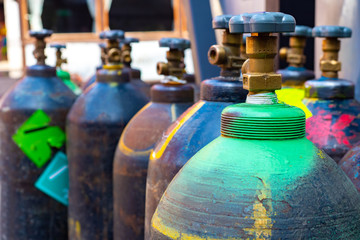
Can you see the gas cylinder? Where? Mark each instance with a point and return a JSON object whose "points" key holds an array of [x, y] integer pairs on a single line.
{"points": [[295, 75], [334, 126], [92, 79], [94, 125], [32, 124], [168, 101], [200, 124], [135, 73], [63, 75], [261, 179]]}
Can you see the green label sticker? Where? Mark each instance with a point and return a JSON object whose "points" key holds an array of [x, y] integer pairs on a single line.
{"points": [[54, 181], [35, 138]]}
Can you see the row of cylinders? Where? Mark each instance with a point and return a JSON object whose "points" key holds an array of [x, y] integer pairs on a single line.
{"points": [[116, 185]]}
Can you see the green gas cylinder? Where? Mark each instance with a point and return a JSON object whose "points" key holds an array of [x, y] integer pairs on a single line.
{"points": [[261, 179], [63, 75]]}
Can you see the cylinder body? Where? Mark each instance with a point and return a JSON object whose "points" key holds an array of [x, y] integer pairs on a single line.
{"points": [[26, 212], [195, 128], [94, 126], [254, 189], [132, 156]]}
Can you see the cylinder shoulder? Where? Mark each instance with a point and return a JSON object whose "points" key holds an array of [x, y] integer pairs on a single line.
{"points": [[38, 92], [107, 102]]}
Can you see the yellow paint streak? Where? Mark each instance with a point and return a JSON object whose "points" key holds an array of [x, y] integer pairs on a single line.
{"points": [[172, 233], [125, 149], [158, 153], [157, 224], [173, 112], [263, 223], [321, 154], [114, 84], [78, 230]]}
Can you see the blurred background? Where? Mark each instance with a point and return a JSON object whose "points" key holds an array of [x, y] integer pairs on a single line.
{"points": [[79, 22]]}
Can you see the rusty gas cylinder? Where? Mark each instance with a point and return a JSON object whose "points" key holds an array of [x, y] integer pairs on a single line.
{"points": [[26, 212], [334, 126], [261, 178], [168, 101], [135, 74], [94, 126], [200, 124]]}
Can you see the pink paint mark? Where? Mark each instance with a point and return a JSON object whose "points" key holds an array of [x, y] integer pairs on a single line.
{"points": [[337, 129], [319, 129]]}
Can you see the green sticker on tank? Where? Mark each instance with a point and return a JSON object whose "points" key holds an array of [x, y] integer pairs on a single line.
{"points": [[35, 138], [54, 181]]}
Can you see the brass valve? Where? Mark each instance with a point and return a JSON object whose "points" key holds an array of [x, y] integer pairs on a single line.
{"points": [[103, 53], [59, 59], [329, 63], [126, 50], [175, 65], [259, 70], [295, 54], [261, 48], [227, 55], [113, 51], [243, 55], [40, 44]]}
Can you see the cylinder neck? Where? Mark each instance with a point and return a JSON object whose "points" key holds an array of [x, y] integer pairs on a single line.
{"points": [[39, 51], [263, 122], [329, 64], [59, 59], [259, 75], [295, 55], [172, 92]]}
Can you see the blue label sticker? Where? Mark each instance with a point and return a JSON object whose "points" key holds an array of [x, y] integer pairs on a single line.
{"points": [[54, 181]]}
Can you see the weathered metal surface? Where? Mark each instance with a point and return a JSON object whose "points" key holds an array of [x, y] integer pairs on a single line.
{"points": [[94, 126], [132, 156], [90, 81], [350, 163], [334, 126], [135, 74], [194, 129], [26, 212]]}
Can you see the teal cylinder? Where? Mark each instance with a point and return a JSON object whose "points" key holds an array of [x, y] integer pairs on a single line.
{"points": [[261, 179]]}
